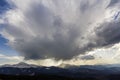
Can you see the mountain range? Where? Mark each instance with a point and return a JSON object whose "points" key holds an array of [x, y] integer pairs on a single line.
{"points": [[34, 72]]}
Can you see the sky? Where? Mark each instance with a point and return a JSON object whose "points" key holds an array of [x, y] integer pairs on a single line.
{"points": [[60, 32]]}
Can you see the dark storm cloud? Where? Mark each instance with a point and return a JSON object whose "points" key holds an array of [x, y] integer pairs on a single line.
{"points": [[87, 57], [42, 29], [109, 32], [113, 2], [45, 24]]}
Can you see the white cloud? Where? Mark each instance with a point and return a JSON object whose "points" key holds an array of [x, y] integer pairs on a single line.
{"points": [[11, 57], [4, 59]]}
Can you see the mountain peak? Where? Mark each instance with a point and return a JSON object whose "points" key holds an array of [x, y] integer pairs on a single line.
{"points": [[20, 65]]}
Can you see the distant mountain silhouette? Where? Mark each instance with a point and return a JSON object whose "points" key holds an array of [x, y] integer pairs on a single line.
{"points": [[23, 71], [20, 65]]}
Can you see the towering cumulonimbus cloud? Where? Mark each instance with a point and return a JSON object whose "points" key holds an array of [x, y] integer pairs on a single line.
{"points": [[60, 29]]}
